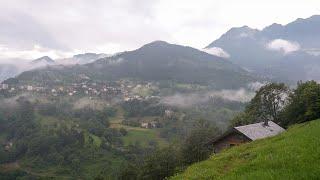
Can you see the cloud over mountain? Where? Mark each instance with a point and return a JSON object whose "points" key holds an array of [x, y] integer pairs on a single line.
{"points": [[217, 52], [283, 46]]}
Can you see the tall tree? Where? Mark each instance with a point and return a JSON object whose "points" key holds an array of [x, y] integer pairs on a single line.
{"points": [[266, 105], [196, 147], [304, 103], [161, 164]]}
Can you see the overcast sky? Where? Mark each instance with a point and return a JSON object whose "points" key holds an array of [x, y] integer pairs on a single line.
{"points": [[32, 28]]}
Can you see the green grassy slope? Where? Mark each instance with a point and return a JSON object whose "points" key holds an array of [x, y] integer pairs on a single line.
{"points": [[137, 134], [294, 154]]}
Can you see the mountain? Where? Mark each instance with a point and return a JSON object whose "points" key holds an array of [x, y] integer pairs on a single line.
{"points": [[288, 52], [276, 158], [7, 71], [304, 31], [19, 65], [82, 58], [157, 61], [43, 60], [11, 70]]}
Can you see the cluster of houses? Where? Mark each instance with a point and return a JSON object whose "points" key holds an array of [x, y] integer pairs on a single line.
{"points": [[62, 90], [92, 89], [6, 87]]}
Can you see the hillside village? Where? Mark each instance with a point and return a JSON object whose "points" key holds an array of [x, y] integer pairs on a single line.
{"points": [[122, 89]]}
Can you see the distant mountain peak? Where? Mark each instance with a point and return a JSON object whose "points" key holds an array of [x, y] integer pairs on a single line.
{"points": [[241, 29], [311, 18], [235, 33], [275, 25], [156, 44], [289, 51], [315, 17], [240, 32], [44, 59], [85, 55]]}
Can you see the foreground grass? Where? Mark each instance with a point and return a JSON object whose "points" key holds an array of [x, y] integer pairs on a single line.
{"points": [[294, 154]]}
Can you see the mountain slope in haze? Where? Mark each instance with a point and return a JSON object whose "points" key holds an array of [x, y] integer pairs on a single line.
{"points": [[271, 51], [157, 61], [295, 154], [82, 58], [7, 71], [43, 60], [17, 66], [12, 69], [304, 31]]}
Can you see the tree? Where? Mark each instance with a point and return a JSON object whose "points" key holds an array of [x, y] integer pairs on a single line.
{"points": [[196, 147], [161, 164], [123, 131], [304, 104], [129, 172], [266, 105]]}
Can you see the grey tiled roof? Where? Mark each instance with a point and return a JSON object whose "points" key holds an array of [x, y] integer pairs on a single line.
{"points": [[259, 130]]}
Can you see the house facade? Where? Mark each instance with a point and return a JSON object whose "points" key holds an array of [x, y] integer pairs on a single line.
{"points": [[229, 139]]}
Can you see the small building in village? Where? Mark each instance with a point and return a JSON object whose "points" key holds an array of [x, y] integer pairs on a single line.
{"points": [[242, 134], [150, 125], [4, 86], [8, 146]]}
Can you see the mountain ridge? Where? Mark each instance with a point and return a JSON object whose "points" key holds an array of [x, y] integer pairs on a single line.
{"points": [[43, 59], [265, 51], [156, 61]]}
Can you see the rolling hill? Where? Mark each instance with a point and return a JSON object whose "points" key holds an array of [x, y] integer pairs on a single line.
{"points": [[294, 154]]}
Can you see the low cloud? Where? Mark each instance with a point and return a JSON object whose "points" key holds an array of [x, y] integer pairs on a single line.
{"points": [[217, 52], [29, 54], [240, 95], [313, 51], [283, 46], [185, 100], [256, 85]]}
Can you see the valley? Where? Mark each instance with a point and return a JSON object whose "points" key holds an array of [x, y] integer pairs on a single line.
{"points": [[154, 90]]}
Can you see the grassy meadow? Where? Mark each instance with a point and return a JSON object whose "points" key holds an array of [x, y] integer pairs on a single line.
{"points": [[294, 154]]}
